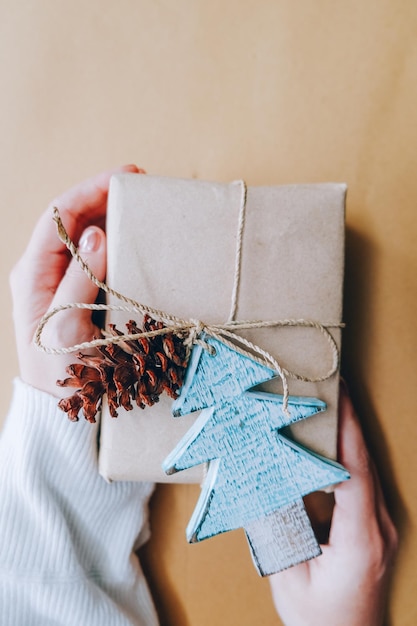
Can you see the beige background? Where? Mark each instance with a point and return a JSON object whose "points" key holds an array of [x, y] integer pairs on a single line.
{"points": [[272, 91]]}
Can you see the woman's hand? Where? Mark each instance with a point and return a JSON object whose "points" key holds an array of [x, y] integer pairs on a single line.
{"points": [[347, 584], [45, 277]]}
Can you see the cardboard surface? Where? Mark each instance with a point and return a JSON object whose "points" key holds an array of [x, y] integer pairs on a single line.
{"points": [[275, 92], [292, 268]]}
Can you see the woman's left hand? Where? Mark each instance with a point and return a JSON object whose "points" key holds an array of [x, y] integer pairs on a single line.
{"points": [[46, 276]]}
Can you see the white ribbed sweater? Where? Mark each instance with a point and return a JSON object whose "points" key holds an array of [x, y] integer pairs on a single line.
{"points": [[67, 538]]}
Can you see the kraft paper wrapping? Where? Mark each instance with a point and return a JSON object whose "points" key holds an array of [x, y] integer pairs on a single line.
{"points": [[172, 246]]}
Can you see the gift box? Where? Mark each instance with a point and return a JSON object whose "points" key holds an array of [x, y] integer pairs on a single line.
{"points": [[172, 246]]}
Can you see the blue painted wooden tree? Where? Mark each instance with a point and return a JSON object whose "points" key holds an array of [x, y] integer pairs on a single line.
{"points": [[256, 476]]}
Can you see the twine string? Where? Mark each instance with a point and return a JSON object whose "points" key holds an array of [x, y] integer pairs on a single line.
{"points": [[191, 330], [238, 253]]}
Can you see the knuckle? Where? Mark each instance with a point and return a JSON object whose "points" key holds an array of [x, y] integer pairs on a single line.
{"points": [[376, 562], [68, 330], [73, 272], [379, 554]]}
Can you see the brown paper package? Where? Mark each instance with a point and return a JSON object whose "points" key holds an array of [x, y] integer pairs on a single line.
{"points": [[172, 246]]}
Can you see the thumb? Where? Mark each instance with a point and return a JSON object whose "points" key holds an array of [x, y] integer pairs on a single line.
{"points": [[76, 286]]}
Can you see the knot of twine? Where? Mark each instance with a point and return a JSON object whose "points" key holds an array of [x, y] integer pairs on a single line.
{"points": [[192, 331]]}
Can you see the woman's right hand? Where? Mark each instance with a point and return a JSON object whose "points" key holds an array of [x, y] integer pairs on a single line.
{"points": [[347, 584]]}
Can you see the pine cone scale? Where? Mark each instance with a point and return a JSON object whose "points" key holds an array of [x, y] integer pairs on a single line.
{"points": [[137, 371]]}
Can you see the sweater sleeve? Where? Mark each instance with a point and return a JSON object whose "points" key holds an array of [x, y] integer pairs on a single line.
{"points": [[67, 537]]}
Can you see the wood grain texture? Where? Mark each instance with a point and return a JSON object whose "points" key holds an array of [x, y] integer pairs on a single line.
{"points": [[254, 471], [279, 539]]}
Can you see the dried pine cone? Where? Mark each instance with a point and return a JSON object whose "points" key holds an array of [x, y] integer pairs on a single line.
{"points": [[136, 370]]}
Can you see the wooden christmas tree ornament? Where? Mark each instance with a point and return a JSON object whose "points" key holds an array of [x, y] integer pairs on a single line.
{"points": [[257, 476]]}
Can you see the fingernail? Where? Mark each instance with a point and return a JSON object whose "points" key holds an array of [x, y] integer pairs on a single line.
{"points": [[90, 240]]}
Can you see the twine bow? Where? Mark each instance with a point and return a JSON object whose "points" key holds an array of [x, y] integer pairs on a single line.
{"points": [[192, 331]]}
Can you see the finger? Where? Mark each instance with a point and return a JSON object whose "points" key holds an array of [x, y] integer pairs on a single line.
{"points": [[353, 453], [356, 498], [79, 207], [297, 577], [73, 326]]}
